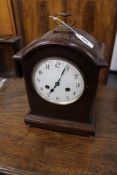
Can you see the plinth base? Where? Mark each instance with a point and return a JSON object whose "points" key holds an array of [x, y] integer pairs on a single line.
{"points": [[86, 129]]}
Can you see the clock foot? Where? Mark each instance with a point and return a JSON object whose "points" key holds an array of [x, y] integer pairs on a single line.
{"points": [[85, 129]]}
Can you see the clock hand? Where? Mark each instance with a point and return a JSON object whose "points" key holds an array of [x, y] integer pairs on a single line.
{"points": [[58, 82], [52, 90]]}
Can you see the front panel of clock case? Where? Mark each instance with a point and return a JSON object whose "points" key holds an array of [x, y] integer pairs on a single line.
{"points": [[77, 111]]}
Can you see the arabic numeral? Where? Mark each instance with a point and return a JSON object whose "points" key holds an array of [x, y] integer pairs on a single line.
{"points": [[77, 85], [47, 66], [75, 76], [57, 98], [67, 98], [41, 89], [40, 72], [38, 79], [67, 68], [57, 64], [74, 93]]}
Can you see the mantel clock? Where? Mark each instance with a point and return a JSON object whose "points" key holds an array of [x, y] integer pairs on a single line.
{"points": [[61, 71]]}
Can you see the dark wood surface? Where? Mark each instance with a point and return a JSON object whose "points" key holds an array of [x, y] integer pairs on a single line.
{"points": [[31, 151]]}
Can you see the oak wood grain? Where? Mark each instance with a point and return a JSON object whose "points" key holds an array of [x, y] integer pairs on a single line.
{"points": [[7, 24], [27, 150]]}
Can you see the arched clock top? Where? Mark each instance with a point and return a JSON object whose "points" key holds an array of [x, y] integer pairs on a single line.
{"points": [[65, 38]]}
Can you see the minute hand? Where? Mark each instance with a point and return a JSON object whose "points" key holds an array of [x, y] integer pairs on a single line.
{"points": [[61, 75]]}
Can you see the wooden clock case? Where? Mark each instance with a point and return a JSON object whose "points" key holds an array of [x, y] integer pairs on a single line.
{"points": [[78, 117]]}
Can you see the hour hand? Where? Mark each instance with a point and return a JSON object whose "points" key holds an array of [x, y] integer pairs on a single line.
{"points": [[52, 90]]}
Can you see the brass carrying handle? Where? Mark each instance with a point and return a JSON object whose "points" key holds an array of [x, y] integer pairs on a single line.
{"points": [[65, 15]]}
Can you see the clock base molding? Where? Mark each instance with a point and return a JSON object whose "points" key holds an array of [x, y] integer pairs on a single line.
{"points": [[85, 129]]}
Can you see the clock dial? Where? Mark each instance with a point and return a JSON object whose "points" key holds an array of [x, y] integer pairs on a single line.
{"points": [[58, 81]]}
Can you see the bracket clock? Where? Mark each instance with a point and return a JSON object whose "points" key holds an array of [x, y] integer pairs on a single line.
{"points": [[61, 71]]}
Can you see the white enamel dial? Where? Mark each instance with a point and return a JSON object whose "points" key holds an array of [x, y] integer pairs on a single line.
{"points": [[58, 81]]}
